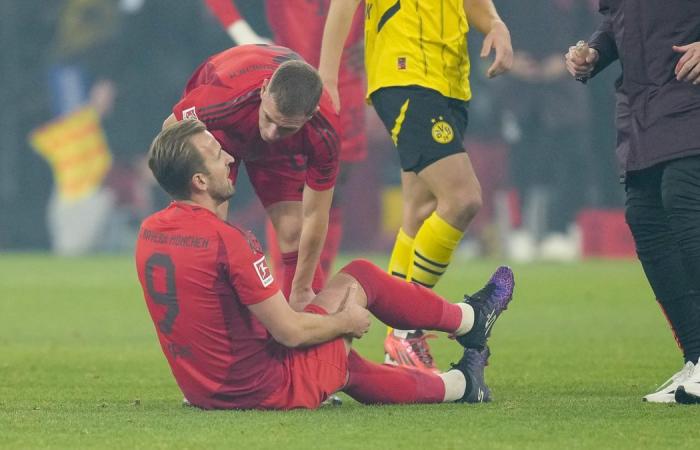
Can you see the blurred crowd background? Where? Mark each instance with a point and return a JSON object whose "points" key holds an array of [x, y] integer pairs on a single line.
{"points": [[86, 85]]}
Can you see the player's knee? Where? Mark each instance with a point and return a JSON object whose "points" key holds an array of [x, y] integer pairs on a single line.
{"points": [[416, 213], [359, 266], [463, 207]]}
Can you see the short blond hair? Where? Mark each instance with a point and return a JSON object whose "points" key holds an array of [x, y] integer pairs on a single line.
{"points": [[173, 158], [296, 88]]}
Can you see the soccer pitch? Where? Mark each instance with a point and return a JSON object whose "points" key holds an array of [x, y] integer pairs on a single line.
{"points": [[80, 366]]}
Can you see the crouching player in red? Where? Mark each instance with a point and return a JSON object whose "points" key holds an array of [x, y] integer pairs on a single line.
{"points": [[231, 339], [268, 109]]}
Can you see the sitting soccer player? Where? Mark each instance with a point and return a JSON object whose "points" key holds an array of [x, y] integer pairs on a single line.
{"points": [[232, 340]]}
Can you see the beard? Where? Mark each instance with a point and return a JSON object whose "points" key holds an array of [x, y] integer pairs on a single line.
{"points": [[223, 192]]}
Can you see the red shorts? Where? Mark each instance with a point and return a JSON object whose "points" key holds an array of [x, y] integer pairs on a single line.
{"points": [[278, 179], [311, 374]]}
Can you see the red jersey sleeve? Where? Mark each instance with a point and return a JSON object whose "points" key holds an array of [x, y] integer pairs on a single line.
{"points": [[216, 106], [323, 159], [247, 268], [224, 10]]}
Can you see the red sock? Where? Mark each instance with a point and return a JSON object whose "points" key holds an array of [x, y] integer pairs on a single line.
{"points": [[289, 266], [405, 306], [370, 382], [273, 249], [333, 238]]}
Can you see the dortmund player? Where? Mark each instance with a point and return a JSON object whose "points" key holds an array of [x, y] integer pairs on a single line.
{"points": [[418, 81]]}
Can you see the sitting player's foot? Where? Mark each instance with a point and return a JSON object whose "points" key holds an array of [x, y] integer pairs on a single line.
{"points": [[411, 351], [666, 393], [488, 304], [333, 400], [689, 390], [472, 366]]}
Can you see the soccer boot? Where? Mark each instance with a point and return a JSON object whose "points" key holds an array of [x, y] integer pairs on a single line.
{"points": [[488, 304], [689, 390], [472, 366], [332, 400], [666, 393], [411, 351]]}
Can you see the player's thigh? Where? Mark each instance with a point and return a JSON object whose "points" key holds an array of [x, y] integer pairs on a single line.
{"points": [[424, 125], [278, 179], [452, 177], [286, 218]]}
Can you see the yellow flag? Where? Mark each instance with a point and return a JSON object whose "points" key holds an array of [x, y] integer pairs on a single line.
{"points": [[76, 149]]}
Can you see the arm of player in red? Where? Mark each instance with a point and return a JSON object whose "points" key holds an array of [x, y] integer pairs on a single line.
{"points": [[235, 25]]}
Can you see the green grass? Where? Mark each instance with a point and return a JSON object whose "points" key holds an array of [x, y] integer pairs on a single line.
{"points": [[80, 367]]}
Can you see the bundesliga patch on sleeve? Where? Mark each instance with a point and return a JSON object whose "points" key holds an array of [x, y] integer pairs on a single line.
{"points": [[263, 271], [189, 113]]}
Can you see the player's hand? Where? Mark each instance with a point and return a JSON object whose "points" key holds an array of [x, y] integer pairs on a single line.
{"points": [[299, 298], [357, 317], [498, 40], [581, 60], [688, 67], [332, 88]]}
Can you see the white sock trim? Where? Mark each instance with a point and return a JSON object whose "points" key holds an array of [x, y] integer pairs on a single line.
{"points": [[455, 385], [467, 319]]}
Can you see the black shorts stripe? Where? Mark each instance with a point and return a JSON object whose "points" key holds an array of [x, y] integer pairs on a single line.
{"points": [[430, 261], [398, 274], [388, 14], [428, 270]]}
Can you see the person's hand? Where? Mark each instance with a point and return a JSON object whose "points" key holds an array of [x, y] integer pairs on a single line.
{"points": [[358, 318], [332, 88], [300, 297], [102, 95], [581, 60], [498, 40], [241, 33], [688, 67]]}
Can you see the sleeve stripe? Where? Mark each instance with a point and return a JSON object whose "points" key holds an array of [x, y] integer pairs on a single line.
{"points": [[220, 107], [226, 112]]}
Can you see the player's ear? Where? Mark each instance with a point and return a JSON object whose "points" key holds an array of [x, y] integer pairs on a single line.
{"points": [[263, 88], [199, 182]]}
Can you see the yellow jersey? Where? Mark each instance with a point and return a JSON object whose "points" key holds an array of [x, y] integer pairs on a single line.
{"points": [[417, 42]]}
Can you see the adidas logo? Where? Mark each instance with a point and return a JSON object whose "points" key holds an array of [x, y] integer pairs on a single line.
{"points": [[480, 395], [490, 320]]}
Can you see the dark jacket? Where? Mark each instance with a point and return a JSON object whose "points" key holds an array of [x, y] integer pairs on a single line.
{"points": [[658, 118]]}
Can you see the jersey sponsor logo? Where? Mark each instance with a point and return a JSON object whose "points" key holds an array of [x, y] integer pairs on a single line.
{"points": [[189, 113], [401, 63], [442, 131], [263, 272]]}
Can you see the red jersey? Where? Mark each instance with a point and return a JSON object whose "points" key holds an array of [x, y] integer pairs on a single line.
{"points": [[198, 275], [224, 93], [298, 25]]}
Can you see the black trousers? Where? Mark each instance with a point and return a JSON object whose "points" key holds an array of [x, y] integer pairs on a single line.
{"points": [[663, 212]]}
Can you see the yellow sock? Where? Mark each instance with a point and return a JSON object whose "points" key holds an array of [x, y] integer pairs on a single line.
{"points": [[432, 250], [401, 255], [400, 258]]}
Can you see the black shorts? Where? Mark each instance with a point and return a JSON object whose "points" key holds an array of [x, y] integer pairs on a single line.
{"points": [[424, 125]]}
